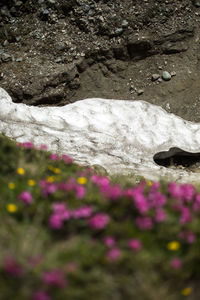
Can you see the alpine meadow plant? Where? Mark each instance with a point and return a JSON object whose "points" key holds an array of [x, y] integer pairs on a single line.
{"points": [[70, 233]]}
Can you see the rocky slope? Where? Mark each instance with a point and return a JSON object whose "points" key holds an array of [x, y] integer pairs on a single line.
{"points": [[57, 52]]}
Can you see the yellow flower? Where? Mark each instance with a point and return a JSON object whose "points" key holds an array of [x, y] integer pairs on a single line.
{"points": [[56, 170], [149, 183], [187, 291], [173, 246], [82, 180], [20, 171], [11, 208], [11, 185], [50, 179], [31, 182]]}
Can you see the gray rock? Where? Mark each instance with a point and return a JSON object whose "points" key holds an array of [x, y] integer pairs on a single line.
{"points": [[140, 92], [86, 8], [124, 23], [155, 77], [6, 57], [19, 59], [173, 73], [196, 3], [118, 31], [166, 76]]}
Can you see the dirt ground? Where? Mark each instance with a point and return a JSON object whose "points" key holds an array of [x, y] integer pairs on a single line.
{"points": [[56, 52]]}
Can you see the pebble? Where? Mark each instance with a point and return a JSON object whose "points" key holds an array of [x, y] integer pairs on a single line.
{"points": [[173, 73], [166, 76], [124, 23], [6, 57], [19, 59], [118, 31], [140, 92], [86, 8], [155, 77]]}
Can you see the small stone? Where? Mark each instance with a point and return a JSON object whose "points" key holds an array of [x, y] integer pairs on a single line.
{"points": [[118, 31], [18, 38], [44, 14], [59, 60], [86, 8], [140, 92], [166, 76], [173, 73], [155, 77], [19, 59], [124, 23], [6, 43], [6, 57]]}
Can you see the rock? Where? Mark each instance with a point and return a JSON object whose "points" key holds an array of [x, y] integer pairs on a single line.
{"points": [[166, 76], [6, 57], [117, 32], [19, 59], [86, 8], [155, 77], [44, 14], [196, 3], [125, 23], [170, 48], [140, 92], [173, 73]]}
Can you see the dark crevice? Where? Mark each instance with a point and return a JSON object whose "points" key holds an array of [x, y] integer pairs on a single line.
{"points": [[177, 157]]}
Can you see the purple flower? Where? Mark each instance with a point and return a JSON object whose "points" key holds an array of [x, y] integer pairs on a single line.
{"points": [[99, 221], [176, 263], [175, 190], [144, 223], [186, 216], [80, 191], [109, 241], [114, 254], [54, 278], [26, 197], [68, 160], [12, 268], [60, 214], [188, 191], [160, 215], [41, 295], [82, 212], [134, 244], [54, 157], [47, 187]]}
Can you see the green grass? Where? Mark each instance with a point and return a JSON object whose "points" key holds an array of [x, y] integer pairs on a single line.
{"points": [[83, 266]]}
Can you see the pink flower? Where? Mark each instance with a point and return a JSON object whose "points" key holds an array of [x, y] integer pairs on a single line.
{"points": [[144, 223], [109, 241], [134, 244], [114, 254], [80, 191], [27, 145], [175, 190], [26, 197], [188, 236], [160, 215], [54, 278], [41, 295], [68, 160], [12, 268], [82, 212], [99, 221], [186, 216], [55, 222], [188, 191], [100, 180], [176, 263], [60, 214], [54, 157], [43, 147], [47, 187]]}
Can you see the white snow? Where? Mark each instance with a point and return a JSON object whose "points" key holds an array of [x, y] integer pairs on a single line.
{"points": [[120, 135]]}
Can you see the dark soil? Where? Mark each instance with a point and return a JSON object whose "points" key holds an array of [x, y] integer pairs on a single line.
{"points": [[56, 52]]}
